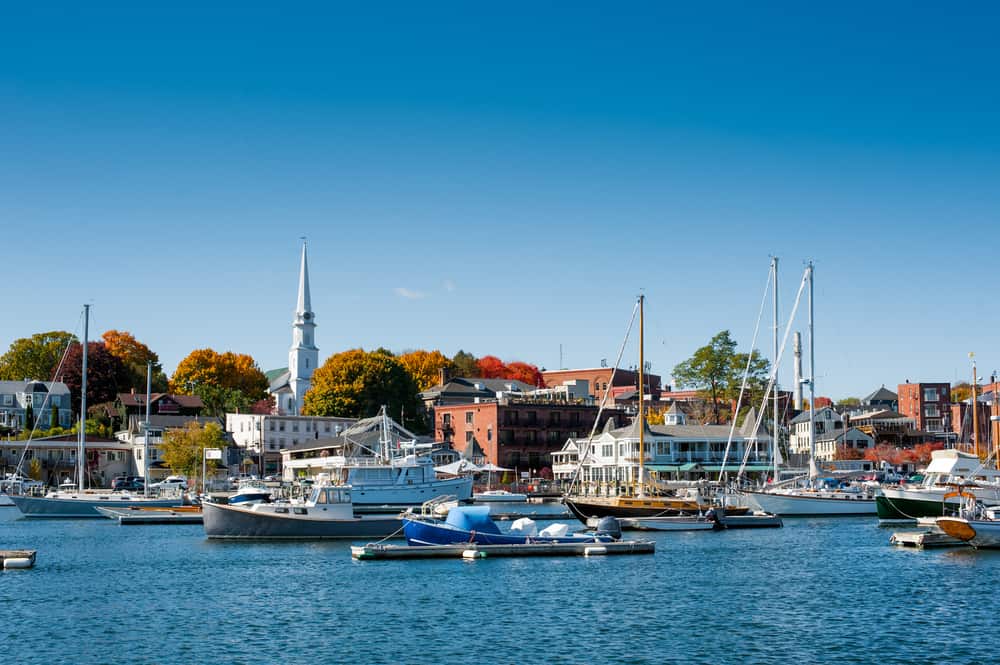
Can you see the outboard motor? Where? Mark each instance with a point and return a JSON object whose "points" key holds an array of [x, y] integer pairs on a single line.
{"points": [[609, 526]]}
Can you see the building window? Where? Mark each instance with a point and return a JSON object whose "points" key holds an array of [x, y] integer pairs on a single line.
{"points": [[930, 394], [326, 427], [489, 433], [295, 427], [934, 425], [608, 450], [271, 426], [468, 437], [446, 420], [281, 426], [468, 417], [932, 411]]}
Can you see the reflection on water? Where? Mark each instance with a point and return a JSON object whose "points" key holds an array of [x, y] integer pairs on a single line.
{"points": [[815, 591]]}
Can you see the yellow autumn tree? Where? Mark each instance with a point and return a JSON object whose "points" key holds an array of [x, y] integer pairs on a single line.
{"points": [[425, 366], [224, 381]]}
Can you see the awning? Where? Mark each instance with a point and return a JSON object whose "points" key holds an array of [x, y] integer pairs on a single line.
{"points": [[674, 468], [734, 468]]}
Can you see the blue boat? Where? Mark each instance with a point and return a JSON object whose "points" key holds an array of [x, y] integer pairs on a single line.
{"points": [[472, 524]]}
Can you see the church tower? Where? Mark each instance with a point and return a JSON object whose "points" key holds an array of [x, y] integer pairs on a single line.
{"points": [[304, 355]]}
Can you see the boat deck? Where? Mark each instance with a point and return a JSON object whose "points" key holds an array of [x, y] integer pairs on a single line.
{"points": [[384, 552], [12, 555]]}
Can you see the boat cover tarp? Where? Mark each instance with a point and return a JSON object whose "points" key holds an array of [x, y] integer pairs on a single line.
{"points": [[472, 518]]}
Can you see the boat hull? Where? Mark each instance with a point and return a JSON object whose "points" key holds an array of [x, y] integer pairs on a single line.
{"points": [[900, 503], [421, 532], [676, 523], [38, 507], [584, 509], [978, 533], [811, 506], [236, 523]]}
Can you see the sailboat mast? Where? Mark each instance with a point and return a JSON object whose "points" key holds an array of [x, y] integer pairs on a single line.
{"points": [[642, 410], [975, 410], [812, 382], [82, 444], [774, 427], [145, 430]]}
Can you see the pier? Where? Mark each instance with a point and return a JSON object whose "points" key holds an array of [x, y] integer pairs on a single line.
{"points": [[473, 551]]}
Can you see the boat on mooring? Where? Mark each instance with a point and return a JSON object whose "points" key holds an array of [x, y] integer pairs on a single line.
{"points": [[472, 524], [328, 513], [928, 498]]}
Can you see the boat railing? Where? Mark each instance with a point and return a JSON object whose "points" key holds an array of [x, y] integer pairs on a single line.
{"points": [[429, 508]]}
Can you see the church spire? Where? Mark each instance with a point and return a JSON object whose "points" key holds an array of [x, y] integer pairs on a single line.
{"points": [[304, 304]]}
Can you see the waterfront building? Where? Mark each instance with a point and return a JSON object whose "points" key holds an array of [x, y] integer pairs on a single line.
{"points": [[462, 390], [516, 431], [106, 458], [601, 381], [262, 437], [677, 451], [827, 421], [883, 398], [850, 438], [886, 426], [18, 399], [288, 385], [928, 405]]}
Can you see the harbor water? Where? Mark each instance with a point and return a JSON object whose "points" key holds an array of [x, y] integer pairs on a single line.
{"points": [[816, 591]]}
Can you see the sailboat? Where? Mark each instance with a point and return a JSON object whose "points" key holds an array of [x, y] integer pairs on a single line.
{"points": [[640, 504], [76, 503], [815, 499]]}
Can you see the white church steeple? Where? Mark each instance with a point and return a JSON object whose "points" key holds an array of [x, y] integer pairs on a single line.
{"points": [[304, 355]]}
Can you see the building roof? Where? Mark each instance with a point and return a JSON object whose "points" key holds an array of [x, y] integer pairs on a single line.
{"points": [[52, 387], [883, 394], [279, 380], [475, 387], [139, 399], [804, 416], [364, 433]]}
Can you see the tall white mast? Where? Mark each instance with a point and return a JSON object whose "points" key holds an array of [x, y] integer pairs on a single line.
{"points": [[145, 429], [774, 427], [813, 472], [82, 444]]}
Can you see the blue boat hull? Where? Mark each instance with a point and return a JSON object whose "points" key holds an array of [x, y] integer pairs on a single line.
{"points": [[434, 532]]}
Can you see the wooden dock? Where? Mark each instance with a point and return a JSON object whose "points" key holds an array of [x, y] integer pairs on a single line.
{"points": [[473, 551], [10, 559], [925, 539], [139, 516]]}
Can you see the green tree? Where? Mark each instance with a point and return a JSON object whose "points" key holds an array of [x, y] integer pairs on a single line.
{"points": [[35, 357], [357, 383], [466, 364], [961, 392], [35, 469], [183, 449], [849, 401], [717, 371]]}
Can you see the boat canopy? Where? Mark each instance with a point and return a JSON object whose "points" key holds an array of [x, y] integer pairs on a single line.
{"points": [[734, 468], [472, 518]]}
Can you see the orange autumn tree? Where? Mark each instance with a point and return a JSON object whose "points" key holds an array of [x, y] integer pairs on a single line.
{"points": [[134, 355]]}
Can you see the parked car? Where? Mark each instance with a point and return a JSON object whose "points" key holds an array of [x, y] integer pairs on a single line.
{"points": [[128, 484], [170, 483]]}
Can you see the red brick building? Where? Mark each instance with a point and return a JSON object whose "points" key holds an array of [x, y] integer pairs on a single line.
{"points": [[600, 380], [929, 404], [517, 433]]}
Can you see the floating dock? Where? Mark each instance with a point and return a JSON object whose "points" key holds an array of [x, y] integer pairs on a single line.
{"points": [[925, 540], [12, 559], [473, 551], [136, 516]]}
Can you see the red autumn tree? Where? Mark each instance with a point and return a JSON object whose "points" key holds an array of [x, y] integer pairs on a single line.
{"points": [[525, 372], [491, 367], [106, 374]]}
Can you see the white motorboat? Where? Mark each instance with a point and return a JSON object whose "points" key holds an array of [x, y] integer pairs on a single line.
{"points": [[327, 513], [499, 495], [927, 499]]}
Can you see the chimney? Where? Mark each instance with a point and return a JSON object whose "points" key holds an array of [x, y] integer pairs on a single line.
{"points": [[444, 375], [797, 350]]}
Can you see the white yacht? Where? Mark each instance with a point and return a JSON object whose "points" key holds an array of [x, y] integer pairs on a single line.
{"points": [[947, 469]]}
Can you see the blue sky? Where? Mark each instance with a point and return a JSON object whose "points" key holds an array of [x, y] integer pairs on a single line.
{"points": [[506, 179]]}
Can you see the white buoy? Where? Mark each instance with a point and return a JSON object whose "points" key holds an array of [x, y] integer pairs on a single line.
{"points": [[473, 554], [595, 550], [18, 562]]}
